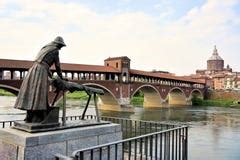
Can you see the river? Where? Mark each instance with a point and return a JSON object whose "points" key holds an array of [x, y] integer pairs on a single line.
{"points": [[214, 132]]}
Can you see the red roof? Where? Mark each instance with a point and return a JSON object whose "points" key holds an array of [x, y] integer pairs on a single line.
{"points": [[115, 58], [164, 76], [86, 68], [9, 63], [22, 64]]}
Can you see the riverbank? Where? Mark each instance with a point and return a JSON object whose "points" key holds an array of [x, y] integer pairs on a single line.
{"points": [[216, 102], [75, 95]]}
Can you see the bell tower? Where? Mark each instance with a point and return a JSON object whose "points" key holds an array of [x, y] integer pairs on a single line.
{"points": [[122, 64]]}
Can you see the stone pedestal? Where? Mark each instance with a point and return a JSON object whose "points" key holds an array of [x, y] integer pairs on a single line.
{"points": [[21, 145]]}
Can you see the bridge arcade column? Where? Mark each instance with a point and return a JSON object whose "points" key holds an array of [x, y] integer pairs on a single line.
{"points": [[1, 74], [21, 74], [189, 101], [11, 74]]}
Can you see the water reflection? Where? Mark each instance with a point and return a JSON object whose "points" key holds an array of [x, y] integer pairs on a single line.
{"points": [[213, 134]]}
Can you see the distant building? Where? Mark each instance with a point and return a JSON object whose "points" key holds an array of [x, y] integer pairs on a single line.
{"points": [[216, 76], [215, 62], [230, 82], [237, 83], [218, 81]]}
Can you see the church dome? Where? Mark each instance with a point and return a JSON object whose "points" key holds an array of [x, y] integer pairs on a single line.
{"points": [[215, 55], [215, 62]]}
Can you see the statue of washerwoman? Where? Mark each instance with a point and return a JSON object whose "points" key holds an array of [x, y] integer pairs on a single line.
{"points": [[33, 94]]}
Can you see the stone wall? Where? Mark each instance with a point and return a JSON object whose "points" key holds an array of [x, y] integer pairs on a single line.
{"points": [[234, 95]]}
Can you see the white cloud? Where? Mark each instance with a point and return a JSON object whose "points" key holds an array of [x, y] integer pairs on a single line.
{"points": [[174, 47]]}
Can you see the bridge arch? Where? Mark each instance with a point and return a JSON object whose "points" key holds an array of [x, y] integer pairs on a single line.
{"points": [[197, 93], [108, 101], [10, 89], [176, 96], [196, 97], [152, 97]]}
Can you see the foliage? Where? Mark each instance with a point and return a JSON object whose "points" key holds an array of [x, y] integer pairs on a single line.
{"points": [[81, 95], [139, 94], [196, 100], [218, 102], [5, 93], [212, 102], [138, 99]]}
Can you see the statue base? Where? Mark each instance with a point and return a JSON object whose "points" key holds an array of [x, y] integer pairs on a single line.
{"points": [[21, 145], [35, 127], [39, 127]]}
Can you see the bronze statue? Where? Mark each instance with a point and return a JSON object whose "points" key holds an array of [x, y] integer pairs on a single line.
{"points": [[33, 94]]}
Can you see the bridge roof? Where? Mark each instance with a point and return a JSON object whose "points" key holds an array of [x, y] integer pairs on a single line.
{"points": [[164, 76], [25, 65]]}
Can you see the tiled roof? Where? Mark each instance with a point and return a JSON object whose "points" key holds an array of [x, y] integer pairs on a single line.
{"points": [[9, 63], [219, 76], [114, 58], [22, 64], [164, 76], [90, 68]]}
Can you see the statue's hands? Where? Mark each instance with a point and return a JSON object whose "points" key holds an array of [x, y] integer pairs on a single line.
{"points": [[65, 79]]}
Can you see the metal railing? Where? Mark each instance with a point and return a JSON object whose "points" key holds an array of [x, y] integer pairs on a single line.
{"points": [[168, 145], [5, 124], [141, 140], [134, 128]]}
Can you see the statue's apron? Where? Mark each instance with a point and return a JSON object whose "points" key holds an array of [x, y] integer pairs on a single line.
{"points": [[33, 94]]}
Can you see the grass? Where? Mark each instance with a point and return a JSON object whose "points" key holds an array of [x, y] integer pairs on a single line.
{"points": [[5, 93], [138, 101], [81, 95], [213, 102], [218, 102]]}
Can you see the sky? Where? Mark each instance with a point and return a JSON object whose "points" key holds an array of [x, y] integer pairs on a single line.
{"points": [[169, 35]]}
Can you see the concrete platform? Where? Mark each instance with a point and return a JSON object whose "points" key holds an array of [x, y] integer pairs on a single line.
{"points": [[21, 145]]}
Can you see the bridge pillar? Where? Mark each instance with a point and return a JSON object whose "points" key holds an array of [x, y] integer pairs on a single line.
{"points": [[1, 74], [124, 101], [189, 101], [124, 95], [11, 74], [21, 75]]}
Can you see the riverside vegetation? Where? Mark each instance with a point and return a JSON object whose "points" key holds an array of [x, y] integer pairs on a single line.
{"points": [[214, 102], [5, 93]]}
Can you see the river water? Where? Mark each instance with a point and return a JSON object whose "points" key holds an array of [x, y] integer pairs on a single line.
{"points": [[214, 132]]}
